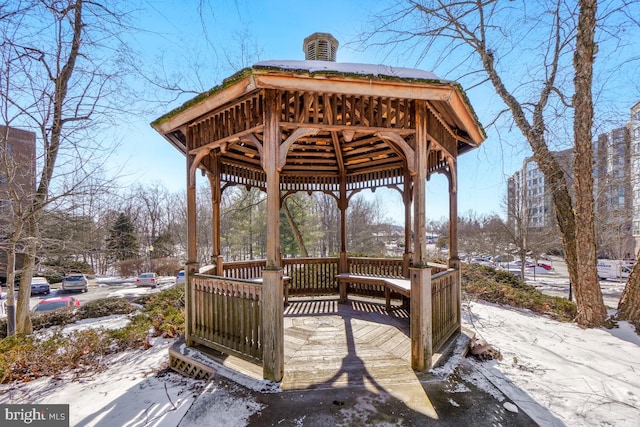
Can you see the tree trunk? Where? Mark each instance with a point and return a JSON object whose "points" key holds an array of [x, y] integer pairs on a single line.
{"points": [[591, 309], [629, 305], [562, 204], [11, 277], [12, 304], [296, 231], [23, 312]]}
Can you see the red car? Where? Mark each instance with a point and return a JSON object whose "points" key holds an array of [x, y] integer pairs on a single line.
{"points": [[54, 303]]}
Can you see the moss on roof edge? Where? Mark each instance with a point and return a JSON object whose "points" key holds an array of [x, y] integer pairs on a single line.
{"points": [[229, 81]]}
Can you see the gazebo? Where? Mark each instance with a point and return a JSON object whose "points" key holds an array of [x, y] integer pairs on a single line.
{"points": [[337, 128]]}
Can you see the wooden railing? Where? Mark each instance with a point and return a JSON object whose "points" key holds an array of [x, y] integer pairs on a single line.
{"points": [[445, 306], [386, 267], [244, 269], [437, 268], [311, 276], [226, 315]]}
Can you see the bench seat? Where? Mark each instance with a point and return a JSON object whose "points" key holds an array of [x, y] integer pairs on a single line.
{"points": [[285, 285], [397, 285]]}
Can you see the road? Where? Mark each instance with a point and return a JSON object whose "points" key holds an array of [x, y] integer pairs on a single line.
{"points": [[556, 283], [102, 288]]}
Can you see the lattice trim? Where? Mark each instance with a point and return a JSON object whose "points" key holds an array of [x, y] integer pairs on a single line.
{"points": [[188, 367]]}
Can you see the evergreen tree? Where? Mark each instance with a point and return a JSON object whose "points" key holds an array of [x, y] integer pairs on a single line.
{"points": [[122, 243]]}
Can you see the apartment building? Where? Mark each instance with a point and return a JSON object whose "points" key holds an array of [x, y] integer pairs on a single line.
{"points": [[529, 201], [634, 142], [17, 175], [616, 190], [613, 194], [17, 167]]}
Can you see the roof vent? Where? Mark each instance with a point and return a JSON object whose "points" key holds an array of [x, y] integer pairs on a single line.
{"points": [[320, 47]]}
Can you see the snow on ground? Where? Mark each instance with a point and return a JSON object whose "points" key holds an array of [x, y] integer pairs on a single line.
{"points": [[558, 373], [129, 393]]}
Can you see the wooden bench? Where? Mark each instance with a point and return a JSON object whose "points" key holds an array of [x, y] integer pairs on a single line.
{"points": [[285, 284], [391, 284]]}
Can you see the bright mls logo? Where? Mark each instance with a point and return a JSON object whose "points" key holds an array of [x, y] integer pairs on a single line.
{"points": [[34, 415]]}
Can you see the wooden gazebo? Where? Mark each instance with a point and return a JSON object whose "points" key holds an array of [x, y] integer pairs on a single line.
{"points": [[338, 128]]}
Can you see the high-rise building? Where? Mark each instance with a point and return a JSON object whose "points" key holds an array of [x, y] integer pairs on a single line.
{"points": [[17, 168], [616, 174], [634, 141], [613, 194], [529, 198], [17, 177]]}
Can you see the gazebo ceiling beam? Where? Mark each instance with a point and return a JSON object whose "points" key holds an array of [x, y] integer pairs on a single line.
{"points": [[226, 140], [398, 141], [351, 130], [251, 138], [377, 147], [284, 147], [371, 162], [243, 160], [338, 153]]}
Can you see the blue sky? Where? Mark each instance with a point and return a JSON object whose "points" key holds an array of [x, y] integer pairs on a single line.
{"points": [[275, 30]]}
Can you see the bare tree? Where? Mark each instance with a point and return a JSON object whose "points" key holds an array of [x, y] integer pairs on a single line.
{"points": [[57, 78], [591, 309], [540, 40]]}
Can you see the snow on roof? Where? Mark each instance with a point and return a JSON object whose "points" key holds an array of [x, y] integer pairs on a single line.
{"points": [[314, 66]]}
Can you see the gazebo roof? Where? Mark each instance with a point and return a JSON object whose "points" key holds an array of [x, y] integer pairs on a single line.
{"points": [[336, 120]]}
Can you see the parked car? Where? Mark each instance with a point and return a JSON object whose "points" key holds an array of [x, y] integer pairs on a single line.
{"points": [[54, 303], [180, 277], [486, 261], [147, 279], [40, 285], [75, 282], [545, 266]]}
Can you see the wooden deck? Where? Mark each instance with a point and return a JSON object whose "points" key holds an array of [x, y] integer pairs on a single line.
{"points": [[328, 344]]}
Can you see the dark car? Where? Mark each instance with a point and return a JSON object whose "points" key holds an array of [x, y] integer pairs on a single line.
{"points": [[40, 285], [54, 303]]}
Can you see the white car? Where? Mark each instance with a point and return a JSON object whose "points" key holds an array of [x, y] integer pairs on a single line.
{"points": [[180, 277], [147, 279], [75, 282]]}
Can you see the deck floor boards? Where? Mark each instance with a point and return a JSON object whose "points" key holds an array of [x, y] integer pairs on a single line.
{"points": [[357, 343]]}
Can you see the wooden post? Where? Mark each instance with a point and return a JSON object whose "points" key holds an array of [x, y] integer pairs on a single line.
{"points": [[343, 261], [421, 309], [272, 292], [454, 258], [216, 197], [343, 203], [407, 196], [192, 254], [421, 321], [219, 262]]}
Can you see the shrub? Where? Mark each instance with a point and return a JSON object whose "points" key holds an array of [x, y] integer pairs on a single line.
{"points": [[104, 307], [502, 287], [23, 358], [59, 317]]}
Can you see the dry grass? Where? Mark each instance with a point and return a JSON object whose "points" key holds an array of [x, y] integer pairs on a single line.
{"points": [[51, 352]]}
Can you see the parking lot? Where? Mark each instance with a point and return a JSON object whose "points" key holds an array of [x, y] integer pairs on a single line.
{"points": [[99, 288]]}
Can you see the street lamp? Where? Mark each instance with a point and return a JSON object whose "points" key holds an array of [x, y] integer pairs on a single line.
{"points": [[150, 257]]}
